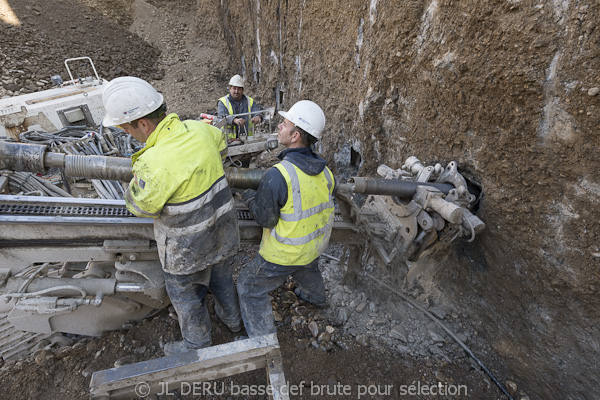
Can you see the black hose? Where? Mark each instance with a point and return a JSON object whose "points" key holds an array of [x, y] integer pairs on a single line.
{"points": [[452, 335]]}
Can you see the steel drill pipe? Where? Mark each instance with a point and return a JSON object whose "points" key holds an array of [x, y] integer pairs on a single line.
{"points": [[34, 158], [244, 178], [392, 187], [21, 156]]}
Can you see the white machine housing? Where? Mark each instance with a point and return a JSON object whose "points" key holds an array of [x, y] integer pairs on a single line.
{"points": [[77, 102]]}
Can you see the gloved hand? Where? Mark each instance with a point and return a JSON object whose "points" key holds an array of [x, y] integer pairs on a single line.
{"points": [[248, 196]]}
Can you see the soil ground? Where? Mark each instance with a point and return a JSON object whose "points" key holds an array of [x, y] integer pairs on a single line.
{"points": [[345, 370], [191, 82]]}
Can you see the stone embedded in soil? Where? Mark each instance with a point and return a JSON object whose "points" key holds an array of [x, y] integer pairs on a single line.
{"points": [[289, 297], [324, 337], [128, 359], [361, 307], [301, 310], [438, 312], [343, 315], [435, 337], [363, 340], [313, 328], [399, 332], [88, 371], [44, 358], [511, 387], [462, 337]]}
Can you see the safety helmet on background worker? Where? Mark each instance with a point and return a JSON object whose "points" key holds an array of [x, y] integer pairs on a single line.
{"points": [[128, 98], [236, 80], [308, 116]]}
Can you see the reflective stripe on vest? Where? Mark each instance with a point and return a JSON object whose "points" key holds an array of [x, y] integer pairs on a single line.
{"points": [[303, 229], [198, 214], [225, 101]]}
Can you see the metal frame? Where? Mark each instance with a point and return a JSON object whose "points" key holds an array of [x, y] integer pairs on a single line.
{"points": [[80, 58], [225, 127], [216, 362]]}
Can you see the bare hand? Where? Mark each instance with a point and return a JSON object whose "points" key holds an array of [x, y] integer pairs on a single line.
{"points": [[256, 119], [239, 121]]}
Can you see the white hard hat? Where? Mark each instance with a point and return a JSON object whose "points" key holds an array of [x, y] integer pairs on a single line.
{"points": [[236, 80], [128, 98], [307, 115]]}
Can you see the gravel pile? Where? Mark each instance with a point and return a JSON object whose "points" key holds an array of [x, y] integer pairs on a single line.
{"points": [[34, 51]]}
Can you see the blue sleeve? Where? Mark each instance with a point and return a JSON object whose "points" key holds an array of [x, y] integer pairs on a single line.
{"points": [[270, 197]]}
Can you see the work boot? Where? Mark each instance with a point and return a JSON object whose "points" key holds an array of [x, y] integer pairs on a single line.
{"points": [[172, 348], [302, 296], [236, 328]]}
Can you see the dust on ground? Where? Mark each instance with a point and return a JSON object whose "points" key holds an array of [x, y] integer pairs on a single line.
{"points": [[160, 50]]}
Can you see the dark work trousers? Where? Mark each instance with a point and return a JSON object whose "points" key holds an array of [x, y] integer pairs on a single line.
{"points": [[187, 294], [260, 277]]}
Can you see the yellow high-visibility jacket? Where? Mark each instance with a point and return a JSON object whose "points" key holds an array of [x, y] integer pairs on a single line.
{"points": [[305, 221], [180, 182]]}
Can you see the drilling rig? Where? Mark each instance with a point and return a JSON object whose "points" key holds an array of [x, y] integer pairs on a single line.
{"points": [[87, 265]]}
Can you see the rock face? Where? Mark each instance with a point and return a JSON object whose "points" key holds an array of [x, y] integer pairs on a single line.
{"points": [[503, 88]]}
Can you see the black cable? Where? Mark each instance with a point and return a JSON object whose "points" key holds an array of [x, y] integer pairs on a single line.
{"points": [[452, 335]]}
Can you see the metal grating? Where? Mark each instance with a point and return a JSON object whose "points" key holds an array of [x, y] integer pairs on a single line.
{"points": [[89, 211], [64, 210]]}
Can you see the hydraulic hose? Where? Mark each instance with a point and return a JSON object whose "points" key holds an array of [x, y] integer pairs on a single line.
{"points": [[448, 331]]}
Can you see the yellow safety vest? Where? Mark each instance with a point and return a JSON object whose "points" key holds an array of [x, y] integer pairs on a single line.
{"points": [[305, 221], [225, 101]]}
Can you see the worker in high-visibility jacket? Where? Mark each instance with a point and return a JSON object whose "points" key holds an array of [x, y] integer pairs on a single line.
{"points": [[179, 181], [236, 102], [294, 205]]}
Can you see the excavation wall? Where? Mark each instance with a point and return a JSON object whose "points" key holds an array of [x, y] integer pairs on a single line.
{"points": [[508, 89]]}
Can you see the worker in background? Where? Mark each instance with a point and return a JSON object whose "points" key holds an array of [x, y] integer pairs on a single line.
{"points": [[236, 102], [179, 181], [294, 205]]}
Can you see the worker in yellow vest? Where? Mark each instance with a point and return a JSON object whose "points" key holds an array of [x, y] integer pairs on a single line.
{"points": [[236, 102], [294, 205], [179, 182]]}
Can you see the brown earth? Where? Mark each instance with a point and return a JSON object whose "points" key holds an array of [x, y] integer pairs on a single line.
{"points": [[506, 88]]}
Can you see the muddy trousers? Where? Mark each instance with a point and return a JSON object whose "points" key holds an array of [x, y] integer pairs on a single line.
{"points": [[187, 293], [260, 277]]}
